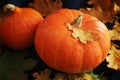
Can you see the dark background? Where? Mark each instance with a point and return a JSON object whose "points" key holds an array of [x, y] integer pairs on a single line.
{"points": [[73, 4]]}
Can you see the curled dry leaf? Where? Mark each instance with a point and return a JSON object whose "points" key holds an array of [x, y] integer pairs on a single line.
{"points": [[115, 32], [102, 9], [113, 58], [46, 7]]}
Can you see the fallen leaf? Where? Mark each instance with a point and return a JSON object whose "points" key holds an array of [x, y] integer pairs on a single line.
{"points": [[116, 8], [102, 9], [105, 5], [45, 75], [42, 75], [113, 58], [117, 2], [101, 15], [45, 7], [115, 32]]}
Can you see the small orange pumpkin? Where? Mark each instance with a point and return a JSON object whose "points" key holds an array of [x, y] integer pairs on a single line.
{"points": [[18, 26], [71, 41]]}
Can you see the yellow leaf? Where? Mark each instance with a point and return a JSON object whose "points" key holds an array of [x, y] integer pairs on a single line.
{"points": [[83, 35], [115, 32], [113, 58], [116, 8]]}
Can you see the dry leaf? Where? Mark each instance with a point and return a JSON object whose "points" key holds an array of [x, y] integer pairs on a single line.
{"points": [[45, 7], [105, 5], [101, 15], [85, 76], [102, 9], [113, 58], [117, 2], [43, 75], [116, 9], [115, 32], [63, 76], [83, 35]]}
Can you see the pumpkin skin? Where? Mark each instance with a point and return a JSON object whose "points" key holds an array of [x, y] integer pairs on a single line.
{"points": [[59, 50], [17, 28]]}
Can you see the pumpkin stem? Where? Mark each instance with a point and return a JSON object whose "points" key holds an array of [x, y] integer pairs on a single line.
{"points": [[8, 8], [77, 22]]}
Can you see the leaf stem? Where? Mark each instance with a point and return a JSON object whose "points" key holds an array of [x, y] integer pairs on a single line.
{"points": [[8, 8], [78, 21]]}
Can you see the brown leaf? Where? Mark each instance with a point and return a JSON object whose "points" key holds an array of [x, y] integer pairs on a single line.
{"points": [[117, 2], [101, 15], [105, 5], [43, 75], [46, 7], [102, 9]]}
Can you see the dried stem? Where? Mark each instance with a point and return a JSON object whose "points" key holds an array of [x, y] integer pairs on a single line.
{"points": [[78, 21], [8, 8]]}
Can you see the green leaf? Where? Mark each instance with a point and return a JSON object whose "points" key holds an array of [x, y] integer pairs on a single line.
{"points": [[14, 63]]}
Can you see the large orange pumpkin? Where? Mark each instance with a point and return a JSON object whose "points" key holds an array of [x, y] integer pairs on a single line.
{"points": [[71, 41], [18, 26]]}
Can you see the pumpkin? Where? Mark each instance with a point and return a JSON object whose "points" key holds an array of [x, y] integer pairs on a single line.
{"points": [[71, 41], [18, 26]]}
